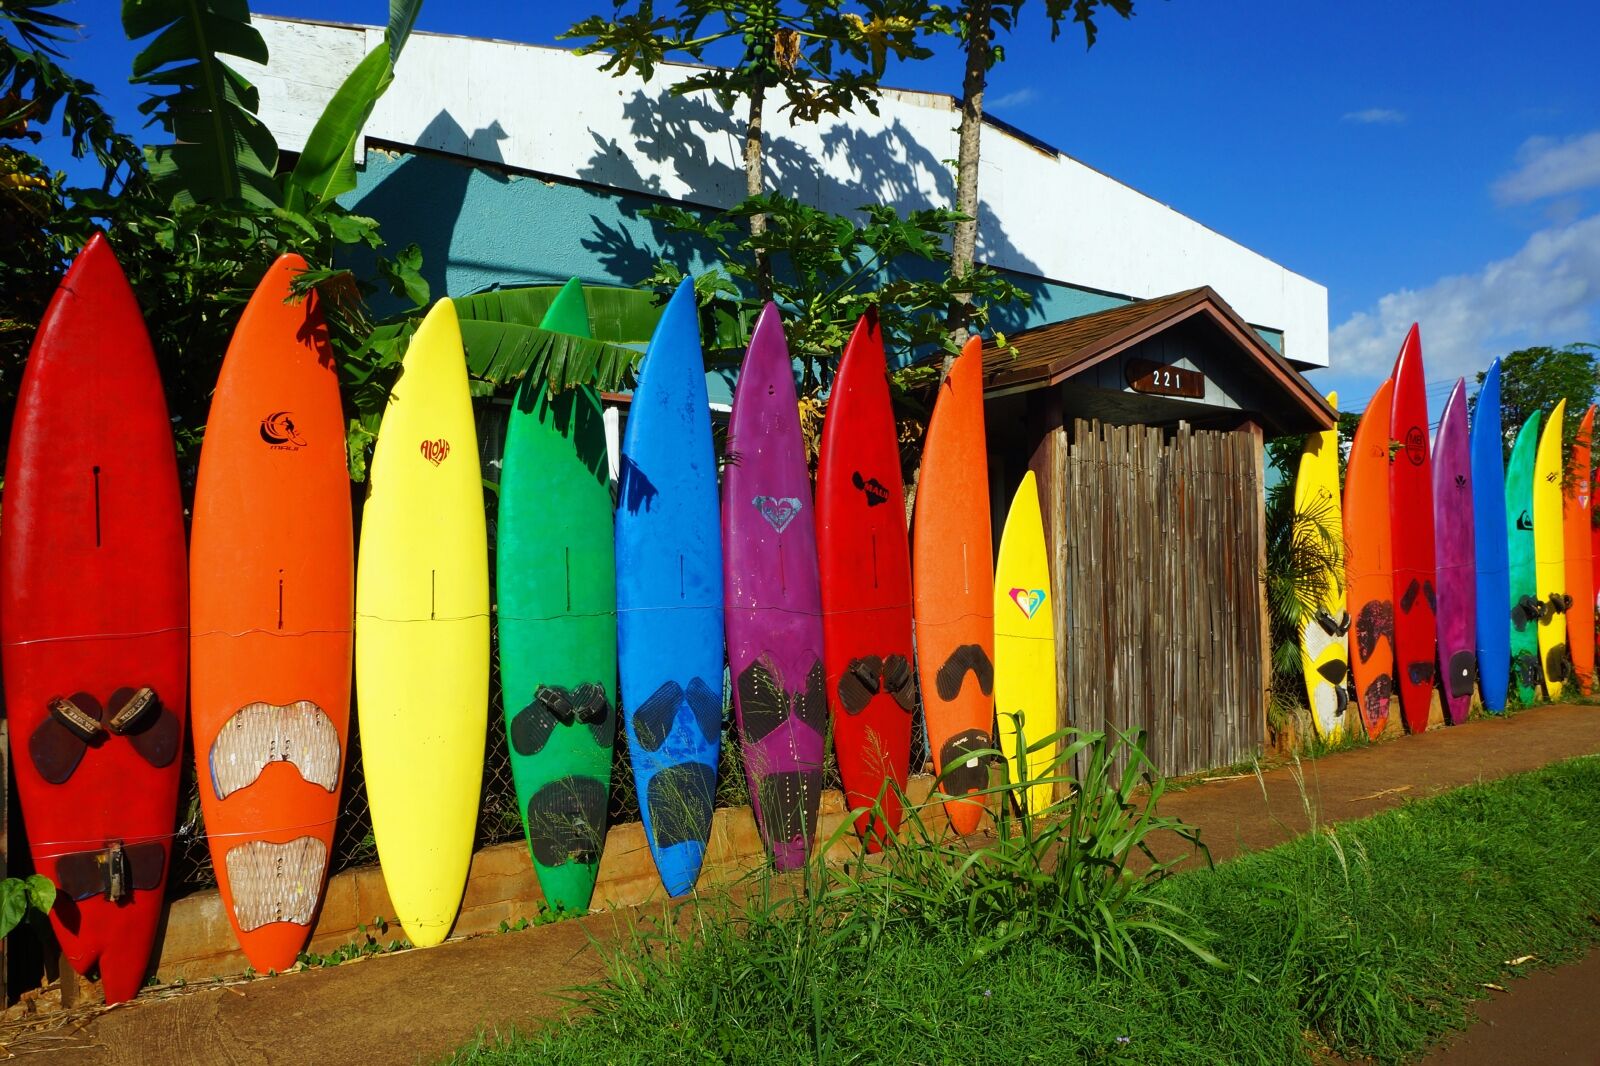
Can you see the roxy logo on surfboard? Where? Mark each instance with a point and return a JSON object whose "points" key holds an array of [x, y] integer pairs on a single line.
{"points": [[435, 451], [278, 430], [779, 511], [1028, 601]]}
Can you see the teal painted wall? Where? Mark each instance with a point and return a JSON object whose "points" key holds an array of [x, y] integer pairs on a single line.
{"points": [[480, 227]]}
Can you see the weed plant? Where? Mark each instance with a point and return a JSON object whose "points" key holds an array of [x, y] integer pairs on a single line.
{"points": [[1370, 940]]}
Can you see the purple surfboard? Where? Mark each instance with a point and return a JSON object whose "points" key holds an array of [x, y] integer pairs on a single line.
{"points": [[1455, 559], [772, 598]]}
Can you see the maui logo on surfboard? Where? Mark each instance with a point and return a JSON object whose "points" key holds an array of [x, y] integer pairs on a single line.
{"points": [[870, 487], [278, 430], [1028, 601], [436, 450], [779, 511]]}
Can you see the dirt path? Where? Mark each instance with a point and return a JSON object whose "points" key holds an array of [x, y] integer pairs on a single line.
{"points": [[420, 1005], [1547, 1018]]}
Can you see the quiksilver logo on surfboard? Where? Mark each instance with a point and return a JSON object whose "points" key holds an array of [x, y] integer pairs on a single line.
{"points": [[279, 431]]}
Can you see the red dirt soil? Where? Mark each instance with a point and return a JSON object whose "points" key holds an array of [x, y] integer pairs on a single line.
{"points": [[420, 1005]]}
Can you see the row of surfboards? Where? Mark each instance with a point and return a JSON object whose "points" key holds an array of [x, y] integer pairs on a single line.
{"points": [[116, 639], [1463, 570]]}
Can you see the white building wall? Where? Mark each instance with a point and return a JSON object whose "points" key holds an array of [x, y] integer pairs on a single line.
{"points": [[547, 110]]}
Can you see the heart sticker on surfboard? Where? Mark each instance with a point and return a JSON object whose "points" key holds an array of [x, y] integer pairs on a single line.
{"points": [[779, 511], [1028, 600]]}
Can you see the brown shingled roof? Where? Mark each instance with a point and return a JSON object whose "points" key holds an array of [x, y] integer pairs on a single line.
{"points": [[1048, 355]]}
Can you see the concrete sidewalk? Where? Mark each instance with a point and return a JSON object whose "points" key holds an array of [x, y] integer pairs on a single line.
{"points": [[420, 1005]]}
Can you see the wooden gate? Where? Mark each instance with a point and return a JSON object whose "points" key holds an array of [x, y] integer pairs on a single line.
{"points": [[1158, 567]]}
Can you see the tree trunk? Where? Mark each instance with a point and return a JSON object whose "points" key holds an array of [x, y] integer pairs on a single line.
{"points": [[755, 184], [980, 35]]}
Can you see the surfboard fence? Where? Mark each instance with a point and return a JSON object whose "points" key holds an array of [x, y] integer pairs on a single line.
{"points": [[1158, 566]]}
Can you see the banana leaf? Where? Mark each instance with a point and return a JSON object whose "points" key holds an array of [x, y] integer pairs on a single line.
{"points": [[220, 150], [504, 343], [327, 166]]}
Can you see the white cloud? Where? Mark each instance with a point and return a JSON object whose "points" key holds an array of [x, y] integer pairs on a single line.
{"points": [[1549, 167], [1376, 116], [1016, 98], [1547, 292]]}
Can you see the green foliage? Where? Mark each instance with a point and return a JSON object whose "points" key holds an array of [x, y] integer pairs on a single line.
{"points": [[957, 21], [367, 943], [1366, 942], [1304, 549], [826, 271], [22, 896], [220, 151], [1533, 379], [825, 60], [327, 166], [1080, 872]]}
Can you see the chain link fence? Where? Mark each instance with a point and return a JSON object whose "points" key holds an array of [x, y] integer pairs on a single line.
{"points": [[499, 814]]}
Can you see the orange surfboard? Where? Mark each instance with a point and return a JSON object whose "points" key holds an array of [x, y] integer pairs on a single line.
{"points": [[953, 588], [1580, 564], [271, 606], [1369, 563]]}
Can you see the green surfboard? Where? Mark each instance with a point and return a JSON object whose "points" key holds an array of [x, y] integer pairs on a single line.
{"points": [[1524, 585], [556, 583]]}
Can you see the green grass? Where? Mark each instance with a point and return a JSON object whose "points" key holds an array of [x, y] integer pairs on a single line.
{"points": [[1371, 939]]}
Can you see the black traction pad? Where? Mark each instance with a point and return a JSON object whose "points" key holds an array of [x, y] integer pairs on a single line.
{"points": [[1555, 661], [155, 731], [764, 705], [680, 803], [1374, 623], [1334, 671], [859, 683], [1420, 673], [653, 719], [900, 681], [1463, 668], [968, 658], [1408, 598], [55, 748], [789, 803], [83, 874], [959, 775], [566, 821], [1375, 703], [585, 705], [706, 705]]}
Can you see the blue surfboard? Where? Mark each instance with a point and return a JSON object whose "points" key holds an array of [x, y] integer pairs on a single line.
{"points": [[1489, 532], [669, 596]]}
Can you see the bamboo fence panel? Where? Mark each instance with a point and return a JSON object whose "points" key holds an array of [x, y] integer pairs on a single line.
{"points": [[1157, 544]]}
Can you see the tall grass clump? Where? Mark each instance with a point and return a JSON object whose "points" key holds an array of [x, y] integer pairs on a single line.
{"points": [[1081, 872]]}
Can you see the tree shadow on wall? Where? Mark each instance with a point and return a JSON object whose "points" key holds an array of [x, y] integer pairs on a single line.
{"points": [[420, 200], [884, 165]]}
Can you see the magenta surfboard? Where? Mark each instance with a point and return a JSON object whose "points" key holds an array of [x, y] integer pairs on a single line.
{"points": [[1455, 558], [773, 599]]}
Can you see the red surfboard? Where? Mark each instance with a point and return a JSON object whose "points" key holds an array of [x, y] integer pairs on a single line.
{"points": [[93, 620], [1411, 520], [271, 569], [1580, 566], [865, 565]]}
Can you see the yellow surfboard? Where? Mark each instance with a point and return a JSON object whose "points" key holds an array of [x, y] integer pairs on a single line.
{"points": [[1324, 640], [422, 632], [1025, 644], [1549, 551]]}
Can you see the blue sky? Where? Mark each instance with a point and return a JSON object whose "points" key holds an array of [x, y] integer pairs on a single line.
{"points": [[1424, 160]]}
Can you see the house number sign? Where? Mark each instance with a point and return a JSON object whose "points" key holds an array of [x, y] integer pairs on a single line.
{"points": [[1145, 376]]}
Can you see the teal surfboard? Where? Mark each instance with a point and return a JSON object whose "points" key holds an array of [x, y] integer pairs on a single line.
{"points": [[557, 607], [1525, 670]]}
